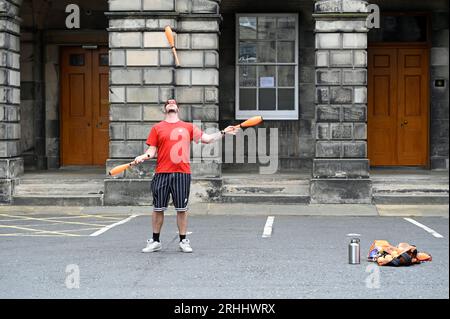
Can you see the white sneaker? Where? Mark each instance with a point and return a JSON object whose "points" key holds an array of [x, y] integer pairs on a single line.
{"points": [[185, 246], [152, 246]]}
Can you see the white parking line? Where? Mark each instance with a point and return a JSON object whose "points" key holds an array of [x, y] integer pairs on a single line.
{"points": [[104, 229], [268, 227], [428, 229]]}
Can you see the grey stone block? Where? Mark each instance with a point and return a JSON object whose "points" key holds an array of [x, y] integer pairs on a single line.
{"points": [[11, 167], [328, 77], [322, 95], [360, 131], [130, 24], [6, 189], [125, 192], [205, 6], [117, 131], [118, 149], [125, 112], [205, 112], [159, 5], [322, 58], [328, 149], [125, 39], [354, 41], [341, 168], [328, 41], [360, 95], [354, 77], [153, 113], [341, 191], [137, 131], [120, 5], [340, 26], [327, 113], [142, 95], [341, 95], [355, 113], [354, 149], [198, 26], [189, 95], [359, 58], [205, 77], [126, 76], [158, 76], [438, 56], [10, 148], [205, 41], [9, 131], [322, 131], [341, 131], [439, 163]]}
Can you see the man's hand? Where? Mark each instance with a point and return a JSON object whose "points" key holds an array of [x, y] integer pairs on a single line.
{"points": [[231, 130], [139, 159]]}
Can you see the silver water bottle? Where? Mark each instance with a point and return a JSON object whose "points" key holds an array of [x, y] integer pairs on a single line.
{"points": [[354, 251]]}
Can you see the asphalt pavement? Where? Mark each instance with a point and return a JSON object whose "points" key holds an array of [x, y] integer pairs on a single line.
{"points": [[83, 255]]}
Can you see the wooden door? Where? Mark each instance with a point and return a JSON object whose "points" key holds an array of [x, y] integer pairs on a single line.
{"points": [[84, 106], [412, 107], [398, 107]]}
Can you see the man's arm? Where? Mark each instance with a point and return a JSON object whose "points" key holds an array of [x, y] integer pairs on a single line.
{"points": [[150, 153], [210, 138]]}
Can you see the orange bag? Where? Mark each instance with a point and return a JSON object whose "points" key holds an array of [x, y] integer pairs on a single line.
{"points": [[403, 254]]}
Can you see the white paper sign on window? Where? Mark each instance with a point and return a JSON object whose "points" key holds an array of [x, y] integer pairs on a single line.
{"points": [[267, 82]]}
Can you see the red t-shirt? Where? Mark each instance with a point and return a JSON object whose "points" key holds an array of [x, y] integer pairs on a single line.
{"points": [[173, 141]]}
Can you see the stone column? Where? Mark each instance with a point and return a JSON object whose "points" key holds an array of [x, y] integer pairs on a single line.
{"points": [[340, 166], [11, 164], [143, 76]]}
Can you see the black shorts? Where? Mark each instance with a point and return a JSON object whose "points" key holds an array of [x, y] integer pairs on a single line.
{"points": [[164, 184]]}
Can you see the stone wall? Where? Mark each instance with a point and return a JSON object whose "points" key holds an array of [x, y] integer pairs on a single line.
{"points": [[341, 167], [296, 139], [11, 164]]}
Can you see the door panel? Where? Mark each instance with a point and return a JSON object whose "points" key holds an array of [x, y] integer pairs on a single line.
{"points": [[412, 106], [100, 107], [398, 106], [76, 107], [84, 106], [382, 86]]}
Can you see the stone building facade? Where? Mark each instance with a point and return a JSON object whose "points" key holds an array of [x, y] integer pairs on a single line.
{"points": [[329, 134]]}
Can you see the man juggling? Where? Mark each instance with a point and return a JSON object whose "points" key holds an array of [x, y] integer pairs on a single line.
{"points": [[169, 141]]}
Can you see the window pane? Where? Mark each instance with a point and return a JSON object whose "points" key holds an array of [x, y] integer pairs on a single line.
{"points": [[267, 76], [247, 52], [286, 52], [247, 75], [286, 28], [267, 99], [266, 51], [286, 99], [103, 59], [267, 28], [247, 27], [400, 29], [286, 75], [76, 59], [247, 99]]}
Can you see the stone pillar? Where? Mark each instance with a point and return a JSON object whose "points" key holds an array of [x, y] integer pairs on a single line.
{"points": [[340, 166], [11, 164], [143, 76]]}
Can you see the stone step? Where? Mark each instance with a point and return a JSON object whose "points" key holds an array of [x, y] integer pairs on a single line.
{"points": [[285, 180], [58, 200], [411, 199], [279, 188], [410, 189], [266, 199]]}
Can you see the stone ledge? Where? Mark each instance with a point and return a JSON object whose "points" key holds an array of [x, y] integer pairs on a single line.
{"points": [[341, 191]]}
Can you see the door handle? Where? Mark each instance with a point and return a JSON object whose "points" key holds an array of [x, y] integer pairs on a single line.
{"points": [[405, 122]]}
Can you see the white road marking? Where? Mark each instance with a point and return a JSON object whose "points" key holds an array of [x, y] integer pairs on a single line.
{"points": [[428, 229], [268, 227], [104, 229]]}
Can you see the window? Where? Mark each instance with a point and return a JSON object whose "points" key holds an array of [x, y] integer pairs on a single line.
{"points": [[267, 66]]}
